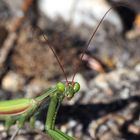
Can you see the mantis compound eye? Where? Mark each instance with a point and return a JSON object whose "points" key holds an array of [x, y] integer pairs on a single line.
{"points": [[61, 87], [72, 89], [76, 87]]}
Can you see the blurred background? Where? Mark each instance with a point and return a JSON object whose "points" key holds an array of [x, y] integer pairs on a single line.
{"points": [[108, 104]]}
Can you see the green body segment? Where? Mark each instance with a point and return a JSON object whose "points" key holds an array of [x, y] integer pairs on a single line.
{"points": [[15, 107], [19, 106], [52, 111], [59, 135], [18, 110]]}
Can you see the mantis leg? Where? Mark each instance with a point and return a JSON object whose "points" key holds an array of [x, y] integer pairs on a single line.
{"points": [[50, 121], [32, 122], [58, 135], [65, 135], [8, 123]]}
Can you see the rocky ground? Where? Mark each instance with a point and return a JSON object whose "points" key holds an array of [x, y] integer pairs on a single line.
{"points": [[108, 104]]}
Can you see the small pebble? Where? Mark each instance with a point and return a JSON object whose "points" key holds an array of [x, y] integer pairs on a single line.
{"points": [[125, 93], [12, 82], [137, 68]]}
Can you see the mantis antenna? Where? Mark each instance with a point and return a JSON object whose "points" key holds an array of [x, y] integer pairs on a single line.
{"points": [[84, 50], [57, 58], [92, 36], [87, 45]]}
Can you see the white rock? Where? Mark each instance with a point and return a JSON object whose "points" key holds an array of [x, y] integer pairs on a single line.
{"points": [[125, 94], [1, 127], [39, 125], [102, 80], [54, 8], [36, 86], [78, 12], [12, 82], [20, 138], [81, 80], [137, 68], [72, 123]]}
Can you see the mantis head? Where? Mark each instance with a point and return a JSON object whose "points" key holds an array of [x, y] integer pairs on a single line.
{"points": [[69, 89]]}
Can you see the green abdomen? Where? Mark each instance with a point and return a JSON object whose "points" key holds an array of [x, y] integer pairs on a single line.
{"points": [[15, 107]]}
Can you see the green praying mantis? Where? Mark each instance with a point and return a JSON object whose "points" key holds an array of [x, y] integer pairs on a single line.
{"points": [[21, 110]]}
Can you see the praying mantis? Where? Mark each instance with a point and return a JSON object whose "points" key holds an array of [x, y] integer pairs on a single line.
{"points": [[21, 110]]}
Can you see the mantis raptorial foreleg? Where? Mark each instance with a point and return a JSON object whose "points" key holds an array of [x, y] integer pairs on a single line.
{"points": [[50, 120], [54, 105]]}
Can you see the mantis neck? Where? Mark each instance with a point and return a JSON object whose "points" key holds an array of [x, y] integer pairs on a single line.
{"points": [[47, 93], [52, 110]]}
